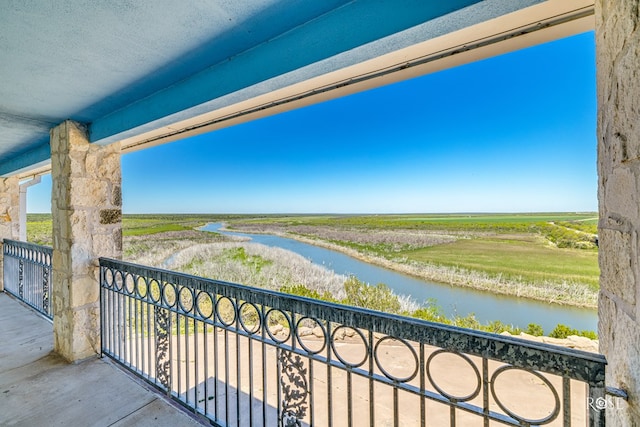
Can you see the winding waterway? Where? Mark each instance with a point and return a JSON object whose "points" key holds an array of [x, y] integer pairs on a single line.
{"points": [[453, 300]]}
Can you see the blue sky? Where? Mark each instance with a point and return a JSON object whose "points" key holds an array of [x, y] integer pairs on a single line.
{"points": [[514, 133]]}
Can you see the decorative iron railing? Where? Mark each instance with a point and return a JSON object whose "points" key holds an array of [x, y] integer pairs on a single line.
{"points": [[250, 357], [27, 274]]}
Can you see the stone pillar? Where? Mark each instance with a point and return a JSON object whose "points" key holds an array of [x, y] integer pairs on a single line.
{"points": [[9, 215], [86, 210], [618, 77]]}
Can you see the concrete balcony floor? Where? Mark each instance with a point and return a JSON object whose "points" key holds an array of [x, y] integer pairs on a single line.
{"points": [[37, 387]]}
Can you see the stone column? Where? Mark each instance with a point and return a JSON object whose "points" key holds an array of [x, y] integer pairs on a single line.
{"points": [[9, 215], [86, 210], [618, 71]]}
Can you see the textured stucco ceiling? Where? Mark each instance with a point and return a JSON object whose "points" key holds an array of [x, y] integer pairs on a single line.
{"points": [[129, 66]]}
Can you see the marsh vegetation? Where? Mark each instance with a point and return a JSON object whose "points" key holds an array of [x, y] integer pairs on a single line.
{"points": [[551, 258]]}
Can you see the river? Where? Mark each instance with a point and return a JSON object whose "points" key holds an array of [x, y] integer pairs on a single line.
{"points": [[454, 300]]}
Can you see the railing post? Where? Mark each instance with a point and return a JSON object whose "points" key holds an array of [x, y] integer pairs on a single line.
{"points": [[596, 407]]}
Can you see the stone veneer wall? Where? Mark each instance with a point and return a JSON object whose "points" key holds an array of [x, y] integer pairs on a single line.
{"points": [[618, 71], [86, 208], [9, 214]]}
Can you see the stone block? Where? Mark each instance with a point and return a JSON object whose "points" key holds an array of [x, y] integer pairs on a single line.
{"points": [[554, 341], [530, 337], [79, 226], [81, 256], [86, 290], [304, 331], [108, 243], [77, 164], [582, 343], [617, 263], [83, 340], [116, 196], [621, 194], [110, 216], [88, 192], [619, 335]]}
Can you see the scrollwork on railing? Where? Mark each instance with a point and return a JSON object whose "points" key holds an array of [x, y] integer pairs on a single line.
{"points": [[45, 291], [163, 364], [294, 387], [21, 278]]}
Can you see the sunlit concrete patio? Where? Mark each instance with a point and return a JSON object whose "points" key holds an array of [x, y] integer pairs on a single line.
{"points": [[37, 387]]}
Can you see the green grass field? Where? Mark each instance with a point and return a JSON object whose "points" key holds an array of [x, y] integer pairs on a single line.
{"points": [[453, 222], [139, 225], [501, 218], [539, 249], [39, 226], [530, 248], [527, 258]]}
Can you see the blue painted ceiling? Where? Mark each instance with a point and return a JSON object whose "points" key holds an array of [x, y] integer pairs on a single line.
{"points": [[126, 66]]}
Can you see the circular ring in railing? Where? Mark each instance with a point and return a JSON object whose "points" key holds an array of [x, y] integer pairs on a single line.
{"points": [[109, 278], [386, 372], [273, 325], [118, 280], [335, 334], [544, 420], [458, 374], [250, 319], [226, 311], [303, 324], [155, 291], [204, 304], [185, 299], [128, 284], [141, 287], [169, 294]]}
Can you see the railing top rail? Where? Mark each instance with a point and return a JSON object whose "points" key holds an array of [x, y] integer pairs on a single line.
{"points": [[575, 364], [28, 245]]}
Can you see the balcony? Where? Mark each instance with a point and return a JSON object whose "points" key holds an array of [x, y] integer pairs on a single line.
{"points": [[40, 388], [235, 355]]}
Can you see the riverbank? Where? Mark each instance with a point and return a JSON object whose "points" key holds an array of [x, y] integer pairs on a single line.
{"points": [[456, 305], [565, 293], [239, 260], [553, 292]]}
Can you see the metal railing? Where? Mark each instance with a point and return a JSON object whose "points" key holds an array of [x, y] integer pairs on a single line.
{"points": [[250, 357], [27, 274]]}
